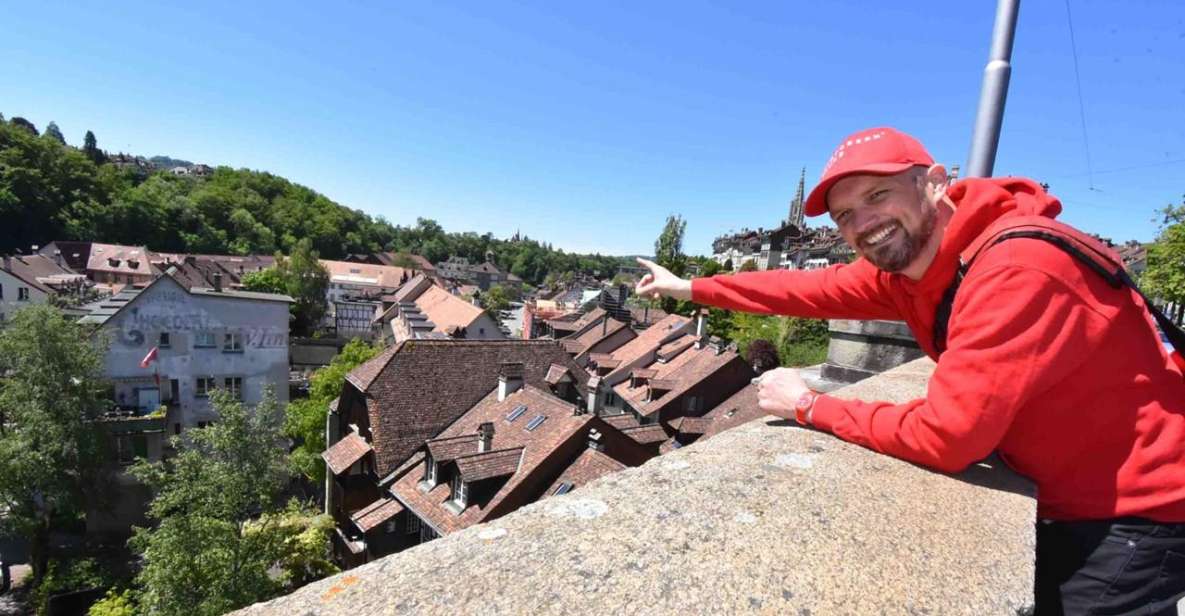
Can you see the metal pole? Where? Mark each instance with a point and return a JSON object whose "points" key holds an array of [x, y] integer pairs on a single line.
{"points": [[990, 115]]}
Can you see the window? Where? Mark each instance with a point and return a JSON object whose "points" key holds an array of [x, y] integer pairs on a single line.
{"points": [[232, 343], [430, 471], [517, 412], [536, 422], [413, 524], [426, 533], [177, 429], [460, 491], [389, 526], [563, 488], [234, 385], [203, 386], [204, 339], [22, 294], [692, 404], [164, 340], [1, 291]]}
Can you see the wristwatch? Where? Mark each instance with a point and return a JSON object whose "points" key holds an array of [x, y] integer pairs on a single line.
{"points": [[802, 408]]}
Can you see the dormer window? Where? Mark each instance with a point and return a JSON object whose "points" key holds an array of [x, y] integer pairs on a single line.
{"points": [[460, 494]]}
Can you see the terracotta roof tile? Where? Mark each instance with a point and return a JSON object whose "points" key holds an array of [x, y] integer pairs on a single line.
{"points": [[345, 453], [673, 378], [557, 373], [489, 464], [416, 388], [530, 450], [376, 513], [365, 274], [588, 466], [651, 339], [740, 408], [647, 435], [451, 448], [622, 421], [446, 310]]}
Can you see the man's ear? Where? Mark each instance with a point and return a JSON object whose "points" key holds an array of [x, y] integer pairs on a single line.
{"points": [[936, 182]]}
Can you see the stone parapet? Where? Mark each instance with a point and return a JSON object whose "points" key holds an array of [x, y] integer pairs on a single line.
{"points": [[859, 349], [765, 518]]}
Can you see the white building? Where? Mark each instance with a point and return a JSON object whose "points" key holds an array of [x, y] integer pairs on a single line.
{"points": [[206, 339]]}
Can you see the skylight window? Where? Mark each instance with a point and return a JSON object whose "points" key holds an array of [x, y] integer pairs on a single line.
{"points": [[517, 412], [536, 422], [563, 488]]}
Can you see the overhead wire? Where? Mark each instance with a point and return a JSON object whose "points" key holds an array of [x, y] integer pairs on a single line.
{"points": [[1081, 105]]}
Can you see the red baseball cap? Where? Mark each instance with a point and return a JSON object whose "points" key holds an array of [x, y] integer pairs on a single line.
{"points": [[879, 151]]}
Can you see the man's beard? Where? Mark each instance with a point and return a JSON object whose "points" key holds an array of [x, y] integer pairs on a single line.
{"points": [[896, 254]]}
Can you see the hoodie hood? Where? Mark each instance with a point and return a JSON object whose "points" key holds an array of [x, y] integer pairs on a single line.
{"points": [[979, 202]]}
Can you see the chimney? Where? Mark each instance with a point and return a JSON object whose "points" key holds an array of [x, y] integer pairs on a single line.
{"points": [[485, 437], [594, 440], [217, 282], [622, 291], [57, 257], [190, 260], [8, 262], [594, 395], [701, 331], [604, 325], [510, 379]]}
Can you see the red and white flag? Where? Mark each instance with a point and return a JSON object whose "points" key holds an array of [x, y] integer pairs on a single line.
{"points": [[149, 358]]}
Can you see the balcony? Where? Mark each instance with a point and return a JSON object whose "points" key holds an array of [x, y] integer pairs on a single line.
{"points": [[767, 518]]}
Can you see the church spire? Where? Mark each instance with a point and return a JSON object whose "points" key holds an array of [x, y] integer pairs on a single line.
{"points": [[796, 206]]}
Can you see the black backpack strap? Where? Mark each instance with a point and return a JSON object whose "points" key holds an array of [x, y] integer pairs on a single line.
{"points": [[1118, 278]]}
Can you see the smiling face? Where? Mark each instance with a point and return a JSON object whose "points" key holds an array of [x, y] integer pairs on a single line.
{"points": [[887, 219]]}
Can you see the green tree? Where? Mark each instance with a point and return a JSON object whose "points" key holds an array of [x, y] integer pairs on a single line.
{"points": [[24, 125], [304, 420], [1164, 277], [496, 302], [114, 603], [668, 252], [749, 266], [90, 147], [668, 248], [210, 550], [802, 342], [300, 276], [709, 268], [53, 132], [50, 449]]}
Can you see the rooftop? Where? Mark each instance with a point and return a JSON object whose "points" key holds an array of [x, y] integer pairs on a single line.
{"points": [[767, 518]]}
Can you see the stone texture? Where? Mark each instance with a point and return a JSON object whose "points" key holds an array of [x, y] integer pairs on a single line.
{"points": [[765, 518], [859, 349]]}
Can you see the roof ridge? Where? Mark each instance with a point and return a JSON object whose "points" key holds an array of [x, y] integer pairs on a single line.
{"points": [[492, 451]]}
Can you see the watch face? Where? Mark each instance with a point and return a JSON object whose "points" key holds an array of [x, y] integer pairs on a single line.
{"points": [[805, 400]]}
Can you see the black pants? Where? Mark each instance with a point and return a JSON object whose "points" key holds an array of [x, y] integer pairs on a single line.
{"points": [[1121, 566]]}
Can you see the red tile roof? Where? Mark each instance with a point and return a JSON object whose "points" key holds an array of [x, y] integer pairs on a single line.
{"points": [[529, 451], [738, 409], [450, 448], [594, 335], [376, 513], [416, 388], [345, 453], [691, 425], [365, 274], [622, 421], [649, 340], [557, 373], [647, 435], [588, 466], [673, 377], [489, 464]]}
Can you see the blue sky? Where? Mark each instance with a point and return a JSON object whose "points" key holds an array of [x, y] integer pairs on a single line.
{"points": [[585, 124]]}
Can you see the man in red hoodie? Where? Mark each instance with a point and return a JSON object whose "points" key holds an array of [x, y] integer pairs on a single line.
{"points": [[1044, 361]]}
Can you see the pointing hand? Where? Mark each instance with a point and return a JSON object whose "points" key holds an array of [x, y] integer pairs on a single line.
{"points": [[660, 282]]}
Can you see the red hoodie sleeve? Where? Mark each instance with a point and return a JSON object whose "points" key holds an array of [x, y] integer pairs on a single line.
{"points": [[1017, 331], [850, 291]]}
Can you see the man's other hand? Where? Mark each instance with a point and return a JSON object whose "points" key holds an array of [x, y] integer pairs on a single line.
{"points": [[779, 390], [660, 282]]}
